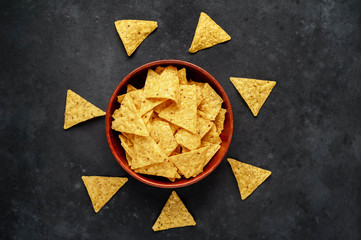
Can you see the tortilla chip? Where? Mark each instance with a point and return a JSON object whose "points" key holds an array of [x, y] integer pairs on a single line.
{"points": [[212, 150], [162, 134], [219, 121], [129, 136], [78, 110], [211, 104], [129, 159], [163, 169], [146, 152], [147, 116], [174, 128], [138, 98], [199, 93], [190, 140], [102, 189], [165, 85], [162, 106], [149, 104], [176, 151], [182, 75], [130, 88], [159, 69], [212, 136], [174, 214], [199, 84], [208, 33], [127, 119], [127, 145], [253, 91], [133, 32], [183, 114], [190, 164], [187, 139], [248, 177], [120, 98]]}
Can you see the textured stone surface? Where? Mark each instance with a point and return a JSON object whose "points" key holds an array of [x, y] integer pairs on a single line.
{"points": [[308, 133]]}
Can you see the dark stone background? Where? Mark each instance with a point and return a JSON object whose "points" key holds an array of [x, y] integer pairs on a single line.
{"points": [[308, 133]]}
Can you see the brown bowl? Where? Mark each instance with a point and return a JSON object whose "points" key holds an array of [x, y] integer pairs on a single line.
{"points": [[137, 79]]}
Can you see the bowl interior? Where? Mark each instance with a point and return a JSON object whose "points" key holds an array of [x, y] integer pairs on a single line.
{"points": [[137, 79]]}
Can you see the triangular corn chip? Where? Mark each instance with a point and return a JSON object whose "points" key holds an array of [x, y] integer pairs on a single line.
{"points": [[253, 91], [190, 140], [162, 134], [128, 147], [212, 150], [127, 119], [163, 169], [78, 110], [182, 75], [208, 33], [162, 106], [212, 136], [211, 103], [130, 88], [174, 214], [146, 152], [191, 163], [165, 85], [219, 121], [183, 114], [159, 69], [133, 32], [102, 189], [248, 177]]}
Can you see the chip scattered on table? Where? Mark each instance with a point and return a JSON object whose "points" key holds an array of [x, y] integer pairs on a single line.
{"points": [[133, 32], [254, 92], [208, 33], [174, 214], [248, 177], [102, 189], [169, 135], [78, 110]]}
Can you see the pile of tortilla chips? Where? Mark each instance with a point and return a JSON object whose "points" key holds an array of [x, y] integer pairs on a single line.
{"points": [[171, 127]]}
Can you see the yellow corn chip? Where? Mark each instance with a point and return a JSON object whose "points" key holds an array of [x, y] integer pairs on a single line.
{"points": [[176, 151], [183, 114], [212, 136], [130, 88], [162, 106], [120, 98], [133, 32], [102, 189], [159, 69], [199, 93], [127, 119], [212, 150], [165, 85], [206, 144], [190, 164], [187, 139], [127, 145], [248, 177], [199, 84], [177, 177], [129, 159], [253, 91], [211, 104], [219, 121], [147, 116], [174, 214], [78, 110], [146, 152], [208, 33], [129, 136], [163, 169], [174, 128], [138, 98], [193, 140], [162, 134], [149, 104], [182, 75]]}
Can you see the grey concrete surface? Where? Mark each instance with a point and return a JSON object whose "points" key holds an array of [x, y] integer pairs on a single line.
{"points": [[308, 133]]}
